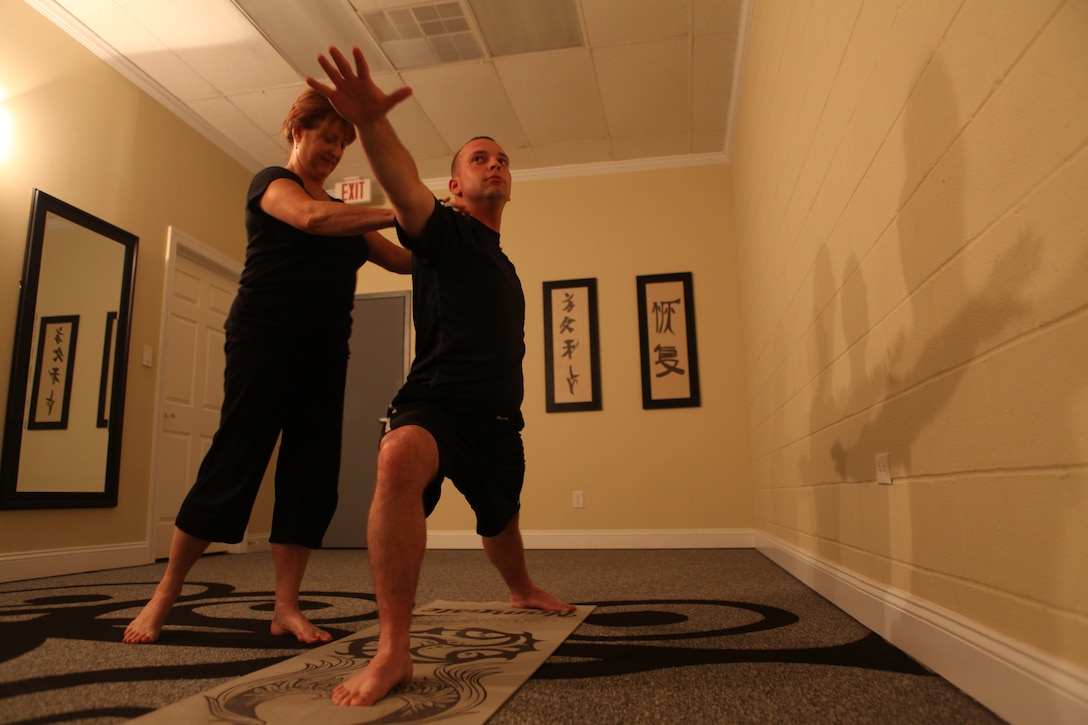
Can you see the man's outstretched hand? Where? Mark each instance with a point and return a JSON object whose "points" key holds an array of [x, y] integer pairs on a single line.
{"points": [[354, 94]]}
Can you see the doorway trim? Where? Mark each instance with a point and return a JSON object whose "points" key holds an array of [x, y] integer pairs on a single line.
{"points": [[178, 244], [409, 328]]}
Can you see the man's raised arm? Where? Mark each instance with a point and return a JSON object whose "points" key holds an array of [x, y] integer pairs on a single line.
{"points": [[355, 96]]}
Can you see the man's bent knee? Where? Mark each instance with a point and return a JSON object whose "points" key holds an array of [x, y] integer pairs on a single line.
{"points": [[409, 451]]}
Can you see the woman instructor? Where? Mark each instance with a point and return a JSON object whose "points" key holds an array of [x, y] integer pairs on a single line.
{"points": [[286, 361]]}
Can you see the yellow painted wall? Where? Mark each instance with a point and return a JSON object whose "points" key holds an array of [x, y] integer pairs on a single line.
{"points": [[910, 182]]}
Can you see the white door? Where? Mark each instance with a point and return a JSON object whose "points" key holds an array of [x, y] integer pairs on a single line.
{"points": [[192, 387]]}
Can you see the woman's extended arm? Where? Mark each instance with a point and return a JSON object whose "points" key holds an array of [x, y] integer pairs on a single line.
{"points": [[388, 255], [287, 201]]}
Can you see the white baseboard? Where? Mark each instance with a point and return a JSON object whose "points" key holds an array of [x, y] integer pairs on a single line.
{"points": [[57, 562], [1017, 682], [622, 539]]}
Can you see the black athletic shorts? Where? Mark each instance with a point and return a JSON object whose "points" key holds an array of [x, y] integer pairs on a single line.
{"points": [[482, 455]]}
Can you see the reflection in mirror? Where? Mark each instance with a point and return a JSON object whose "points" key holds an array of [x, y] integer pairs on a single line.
{"points": [[62, 433]]}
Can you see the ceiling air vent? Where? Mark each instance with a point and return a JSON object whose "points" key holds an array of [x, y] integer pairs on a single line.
{"points": [[424, 35]]}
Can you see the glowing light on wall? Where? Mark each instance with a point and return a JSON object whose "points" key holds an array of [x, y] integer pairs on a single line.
{"points": [[7, 133]]}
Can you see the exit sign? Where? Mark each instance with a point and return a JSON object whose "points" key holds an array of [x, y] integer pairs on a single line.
{"points": [[354, 190]]}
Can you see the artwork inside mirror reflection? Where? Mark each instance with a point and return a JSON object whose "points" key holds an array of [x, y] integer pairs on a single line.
{"points": [[62, 432]]}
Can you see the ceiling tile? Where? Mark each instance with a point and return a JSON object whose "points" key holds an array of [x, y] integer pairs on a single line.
{"points": [[368, 6], [616, 22], [267, 107], [126, 35], [707, 142], [240, 67], [646, 87], [712, 82], [191, 23], [677, 144], [113, 24], [570, 154], [175, 75], [436, 168], [301, 31], [469, 100], [417, 132], [554, 96], [512, 27], [522, 158], [226, 118], [216, 40]]}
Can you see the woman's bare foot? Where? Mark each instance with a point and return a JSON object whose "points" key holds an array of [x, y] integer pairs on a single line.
{"points": [[293, 622], [377, 679], [537, 598], [147, 625]]}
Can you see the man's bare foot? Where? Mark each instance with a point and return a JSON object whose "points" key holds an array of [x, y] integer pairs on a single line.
{"points": [[147, 625], [537, 598], [380, 676], [295, 623]]}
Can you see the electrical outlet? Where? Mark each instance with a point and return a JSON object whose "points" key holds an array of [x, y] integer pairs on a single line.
{"points": [[883, 468], [576, 500]]}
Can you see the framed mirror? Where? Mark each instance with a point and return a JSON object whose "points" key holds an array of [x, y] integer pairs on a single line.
{"points": [[66, 396]]}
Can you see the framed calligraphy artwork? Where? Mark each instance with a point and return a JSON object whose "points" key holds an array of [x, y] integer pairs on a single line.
{"points": [[572, 366], [51, 392], [666, 319]]}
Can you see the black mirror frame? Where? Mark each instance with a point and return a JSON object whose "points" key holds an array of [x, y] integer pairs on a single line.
{"points": [[10, 496]]}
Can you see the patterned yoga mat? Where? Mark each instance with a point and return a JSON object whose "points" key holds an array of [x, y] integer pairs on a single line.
{"points": [[470, 657]]}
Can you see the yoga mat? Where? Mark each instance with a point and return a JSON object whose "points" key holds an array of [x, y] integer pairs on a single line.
{"points": [[470, 657]]}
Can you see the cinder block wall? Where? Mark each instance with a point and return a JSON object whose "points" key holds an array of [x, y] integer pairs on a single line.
{"points": [[911, 185]]}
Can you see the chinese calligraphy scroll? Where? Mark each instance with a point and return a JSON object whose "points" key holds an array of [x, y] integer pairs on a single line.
{"points": [[52, 389], [571, 360], [670, 364]]}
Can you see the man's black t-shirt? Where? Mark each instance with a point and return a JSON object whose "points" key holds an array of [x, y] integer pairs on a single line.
{"points": [[469, 312]]}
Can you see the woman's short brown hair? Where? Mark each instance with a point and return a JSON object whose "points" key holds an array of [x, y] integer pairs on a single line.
{"points": [[310, 110]]}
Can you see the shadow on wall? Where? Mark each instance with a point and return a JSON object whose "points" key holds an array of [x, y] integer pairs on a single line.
{"points": [[911, 382]]}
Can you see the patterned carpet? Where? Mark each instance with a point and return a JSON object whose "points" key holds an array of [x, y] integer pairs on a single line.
{"points": [[678, 636]]}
